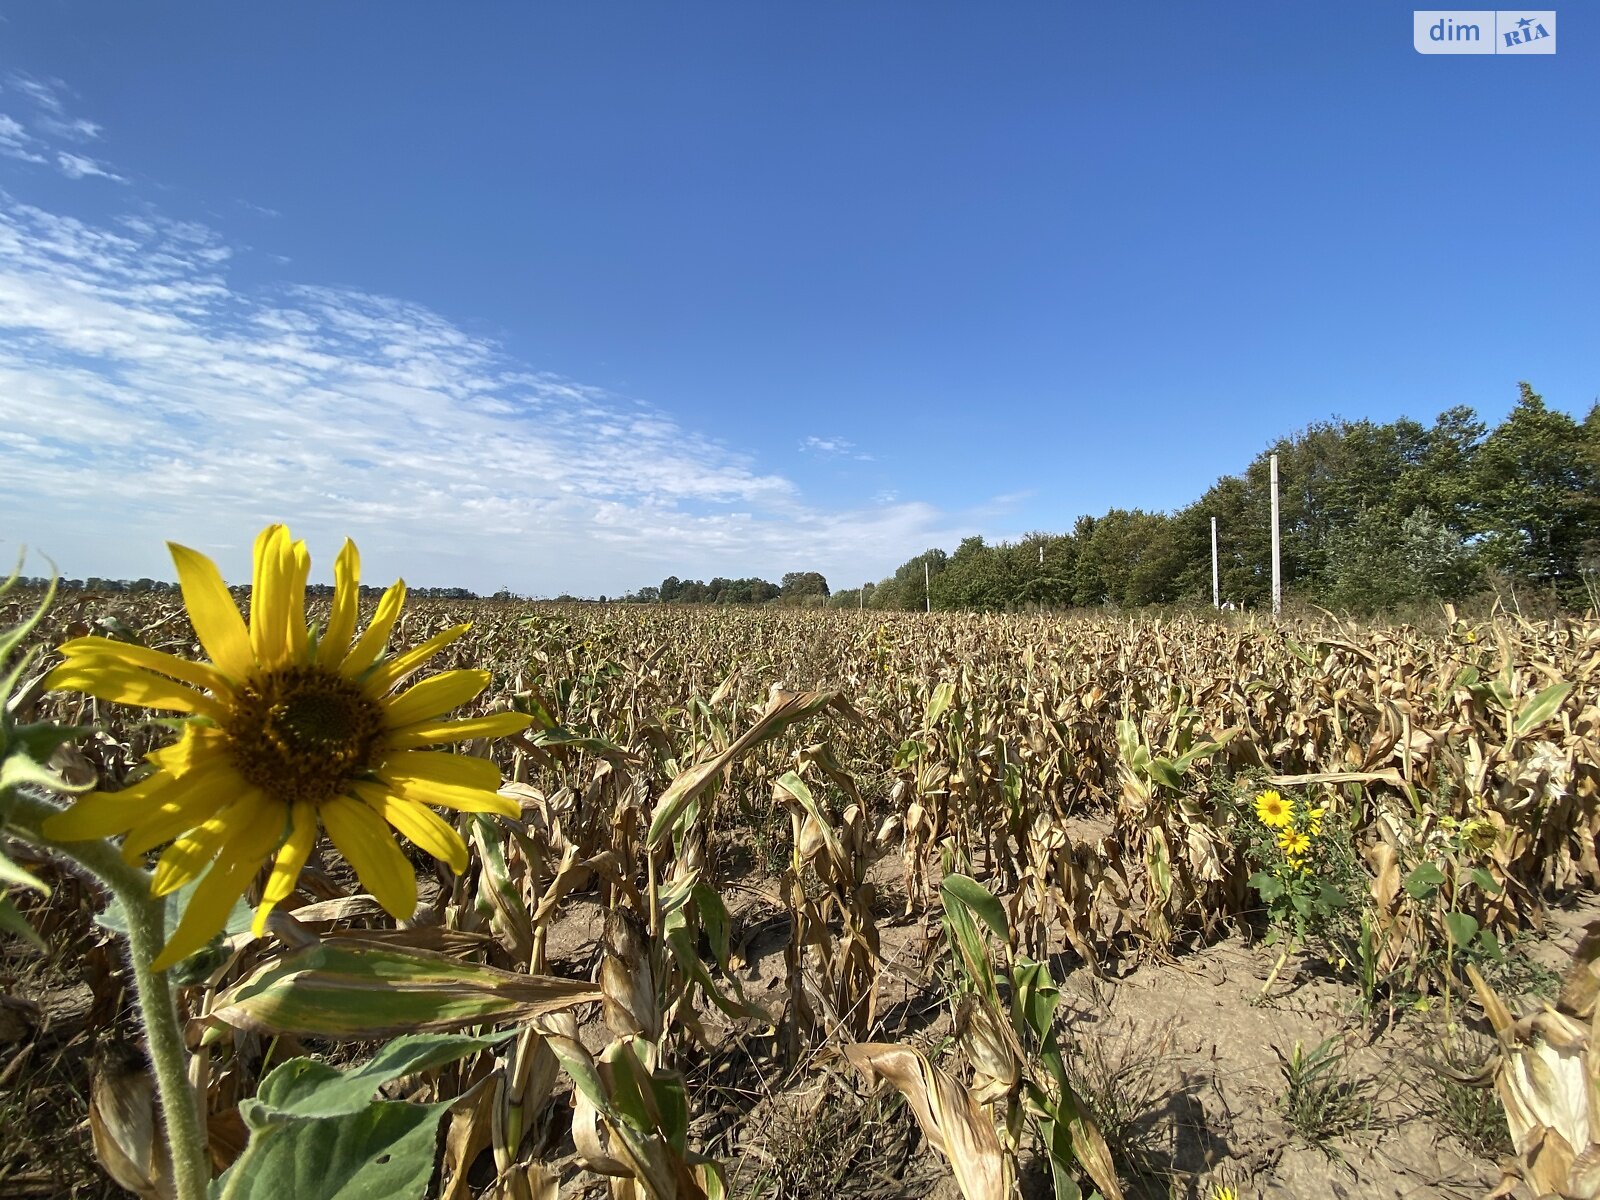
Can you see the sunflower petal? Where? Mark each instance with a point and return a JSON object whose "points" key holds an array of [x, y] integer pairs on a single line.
{"points": [[363, 838], [105, 814], [187, 857], [207, 913], [434, 697], [93, 649], [108, 679], [448, 780], [387, 674], [371, 643], [435, 733], [459, 798], [288, 862], [212, 612], [192, 800], [295, 628], [335, 643], [197, 744], [208, 908], [422, 825], [432, 766], [269, 597]]}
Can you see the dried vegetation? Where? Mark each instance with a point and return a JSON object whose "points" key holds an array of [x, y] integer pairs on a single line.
{"points": [[754, 831]]}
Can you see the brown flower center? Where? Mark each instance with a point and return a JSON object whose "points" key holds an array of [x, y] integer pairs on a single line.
{"points": [[302, 733]]}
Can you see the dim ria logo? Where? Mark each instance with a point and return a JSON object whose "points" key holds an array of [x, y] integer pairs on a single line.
{"points": [[1485, 31]]}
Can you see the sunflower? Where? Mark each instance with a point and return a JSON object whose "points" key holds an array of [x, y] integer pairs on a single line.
{"points": [[289, 731], [1294, 844], [1273, 811]]}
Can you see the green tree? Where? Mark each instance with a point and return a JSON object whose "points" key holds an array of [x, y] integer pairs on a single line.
{"points": [[1537, 477]]}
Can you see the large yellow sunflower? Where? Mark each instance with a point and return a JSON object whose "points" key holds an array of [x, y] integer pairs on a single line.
{"points": [[1273, 811], [293, 730]]}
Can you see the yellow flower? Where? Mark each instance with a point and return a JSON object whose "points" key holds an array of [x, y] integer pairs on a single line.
{"points": [[1314, 820], [293, 731], [1293, 844], [1273, 811], [1223, 1191]]}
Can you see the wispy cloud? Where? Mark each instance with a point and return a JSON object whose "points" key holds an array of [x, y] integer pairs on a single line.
{"points": [[833, 447], [17, 142], [34, 132], [141, 390], [146, 395], [78, 166]]}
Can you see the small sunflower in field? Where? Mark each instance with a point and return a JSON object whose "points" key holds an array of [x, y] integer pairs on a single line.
{"points": [[1273, 811], [1478, 834], [293, 731], [1294, 844]]}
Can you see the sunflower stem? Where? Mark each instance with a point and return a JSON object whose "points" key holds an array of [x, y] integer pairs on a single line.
{"points": [[169, 1058]]}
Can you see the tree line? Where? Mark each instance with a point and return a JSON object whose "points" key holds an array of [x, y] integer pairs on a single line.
{"points": [[1372, 516], [801, 588]]}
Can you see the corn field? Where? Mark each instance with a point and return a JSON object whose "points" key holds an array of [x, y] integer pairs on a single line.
{"points": [[797, 898]]}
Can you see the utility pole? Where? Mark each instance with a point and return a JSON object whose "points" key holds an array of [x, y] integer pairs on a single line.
{"points": [[862, 595], [927, 587], [1216, 596], [1277, 569]]}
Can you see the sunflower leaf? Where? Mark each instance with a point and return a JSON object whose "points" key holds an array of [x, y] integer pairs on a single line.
{"points": [[383, 1152], [304, 1087]]}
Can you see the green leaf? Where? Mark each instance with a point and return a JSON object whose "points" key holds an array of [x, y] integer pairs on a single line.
{"points": [[40, 739], [1540, 709], [11, 638], [1486, 881], [1331, 897], [939, 703], [983, 903], [557, 738], [1267, 884], [796, 787], [383, 1152], [304, 1087], [1165, 772], [1462, 928], [910, 751], [358, 990], [12, 875], [1489, 946], [683, 944], [1034, 998], [13, 922], [1424, 880]]}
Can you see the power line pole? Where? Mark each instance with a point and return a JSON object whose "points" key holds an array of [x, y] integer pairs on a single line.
{"points": [[1277, 569], [927, 587], [1216, 597]]}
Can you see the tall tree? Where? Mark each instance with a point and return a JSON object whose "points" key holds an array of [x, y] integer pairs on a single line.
{"points": [[1537, 478]]}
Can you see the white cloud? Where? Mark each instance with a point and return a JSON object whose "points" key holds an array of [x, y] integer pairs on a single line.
{"points": [[17, 142], [833, 447], [48, 122], [143, 396], [77, 166]]}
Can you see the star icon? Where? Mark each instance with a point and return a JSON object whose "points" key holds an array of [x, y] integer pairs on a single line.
{"points": [[1525, 22]]}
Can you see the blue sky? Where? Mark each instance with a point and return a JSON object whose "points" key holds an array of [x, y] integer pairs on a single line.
{"points": [[571, 297]]}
